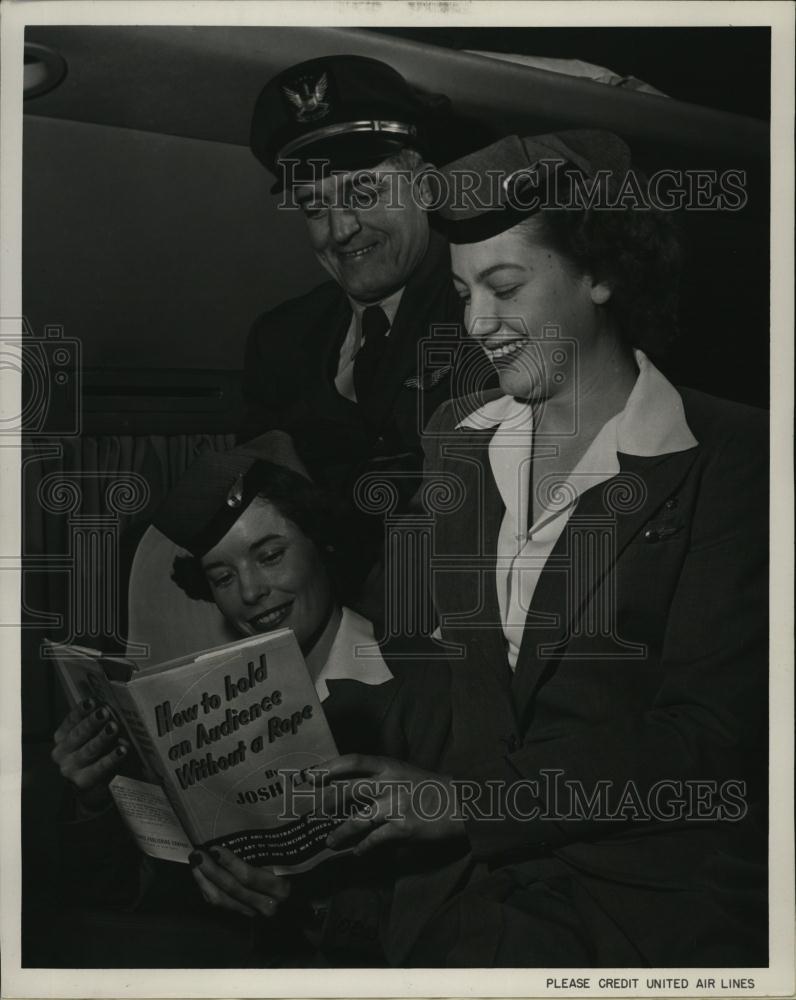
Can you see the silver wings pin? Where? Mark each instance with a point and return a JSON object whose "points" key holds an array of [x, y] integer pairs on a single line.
{"points": [[308, 100], [428, 381]]}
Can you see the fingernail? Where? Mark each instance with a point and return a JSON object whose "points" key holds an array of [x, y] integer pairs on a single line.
{"points": [[121, 751], [87, 705], [195, 859], [110, 729], [100, 714], [215, 855]]}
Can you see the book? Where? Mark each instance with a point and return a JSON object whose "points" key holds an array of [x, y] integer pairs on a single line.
{"points": [[225, 737]]}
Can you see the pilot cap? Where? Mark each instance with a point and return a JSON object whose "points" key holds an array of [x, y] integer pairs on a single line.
{"points": [[218, 487], [350, 111], [513, 178]]}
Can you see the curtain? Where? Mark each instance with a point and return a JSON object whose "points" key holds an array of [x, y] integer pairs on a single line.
{"points": [[85, 504]]}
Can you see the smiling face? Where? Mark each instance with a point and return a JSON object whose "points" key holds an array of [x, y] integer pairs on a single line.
{"points": [[367, 228], [265, 573], [523, 302]]}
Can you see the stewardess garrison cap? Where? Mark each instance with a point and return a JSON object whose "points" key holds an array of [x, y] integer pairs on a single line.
{"points": [[218, 487], [349, 111], [489, 191]]}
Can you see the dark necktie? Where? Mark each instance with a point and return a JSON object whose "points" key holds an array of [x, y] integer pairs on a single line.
{"points": [[375, 327]]}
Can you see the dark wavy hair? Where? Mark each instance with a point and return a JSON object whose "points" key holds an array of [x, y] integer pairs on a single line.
{"points": [[638, 251], [310, 508]]}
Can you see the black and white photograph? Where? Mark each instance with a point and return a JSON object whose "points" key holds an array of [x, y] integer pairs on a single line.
{"points": [[397, 480]]}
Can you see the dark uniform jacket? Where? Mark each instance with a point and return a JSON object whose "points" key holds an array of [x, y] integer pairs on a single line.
{"points": [[291, 362], [687, 579]]}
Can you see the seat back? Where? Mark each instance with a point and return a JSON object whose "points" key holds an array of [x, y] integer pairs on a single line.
{"points": [[161, 615]]}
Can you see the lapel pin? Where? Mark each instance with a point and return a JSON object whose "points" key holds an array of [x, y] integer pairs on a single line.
{"points": [[428, 381]]}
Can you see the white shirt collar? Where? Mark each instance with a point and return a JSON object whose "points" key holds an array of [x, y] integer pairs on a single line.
{"points": [[354, 655], [389, 305], [651, 423], [653, 420]]}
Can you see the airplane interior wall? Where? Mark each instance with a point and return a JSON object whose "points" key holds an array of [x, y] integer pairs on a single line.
{"points": [[156, 251]]}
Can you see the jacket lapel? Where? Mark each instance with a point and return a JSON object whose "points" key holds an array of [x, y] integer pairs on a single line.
{"points": [[468, 537], [483, 710], [333, 328], [607, 517]]}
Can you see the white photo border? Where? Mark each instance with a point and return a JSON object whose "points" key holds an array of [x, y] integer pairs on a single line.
{"points": [[778, 978]]}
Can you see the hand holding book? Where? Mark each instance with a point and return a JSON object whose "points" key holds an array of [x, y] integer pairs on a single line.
{"points": [[224, 737], [89, 751], [225, 880], [397, 802]]}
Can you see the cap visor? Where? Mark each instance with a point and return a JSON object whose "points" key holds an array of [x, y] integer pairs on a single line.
{"points": [[356, 151]]}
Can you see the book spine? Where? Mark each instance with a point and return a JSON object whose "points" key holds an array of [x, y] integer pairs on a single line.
{"points": [[133, 713]]}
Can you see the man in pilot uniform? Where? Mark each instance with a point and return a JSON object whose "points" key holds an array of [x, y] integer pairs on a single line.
{"points": [[342, 368]]}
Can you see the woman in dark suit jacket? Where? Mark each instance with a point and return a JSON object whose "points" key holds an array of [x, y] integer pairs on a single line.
{"points": [[603, 574]]}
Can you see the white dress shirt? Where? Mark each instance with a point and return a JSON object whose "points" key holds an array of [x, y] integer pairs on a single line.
{"points": [[652, 423], [354, 655]]}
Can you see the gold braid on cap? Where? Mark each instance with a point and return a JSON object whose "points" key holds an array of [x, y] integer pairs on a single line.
{"points": [[328, 131]]}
